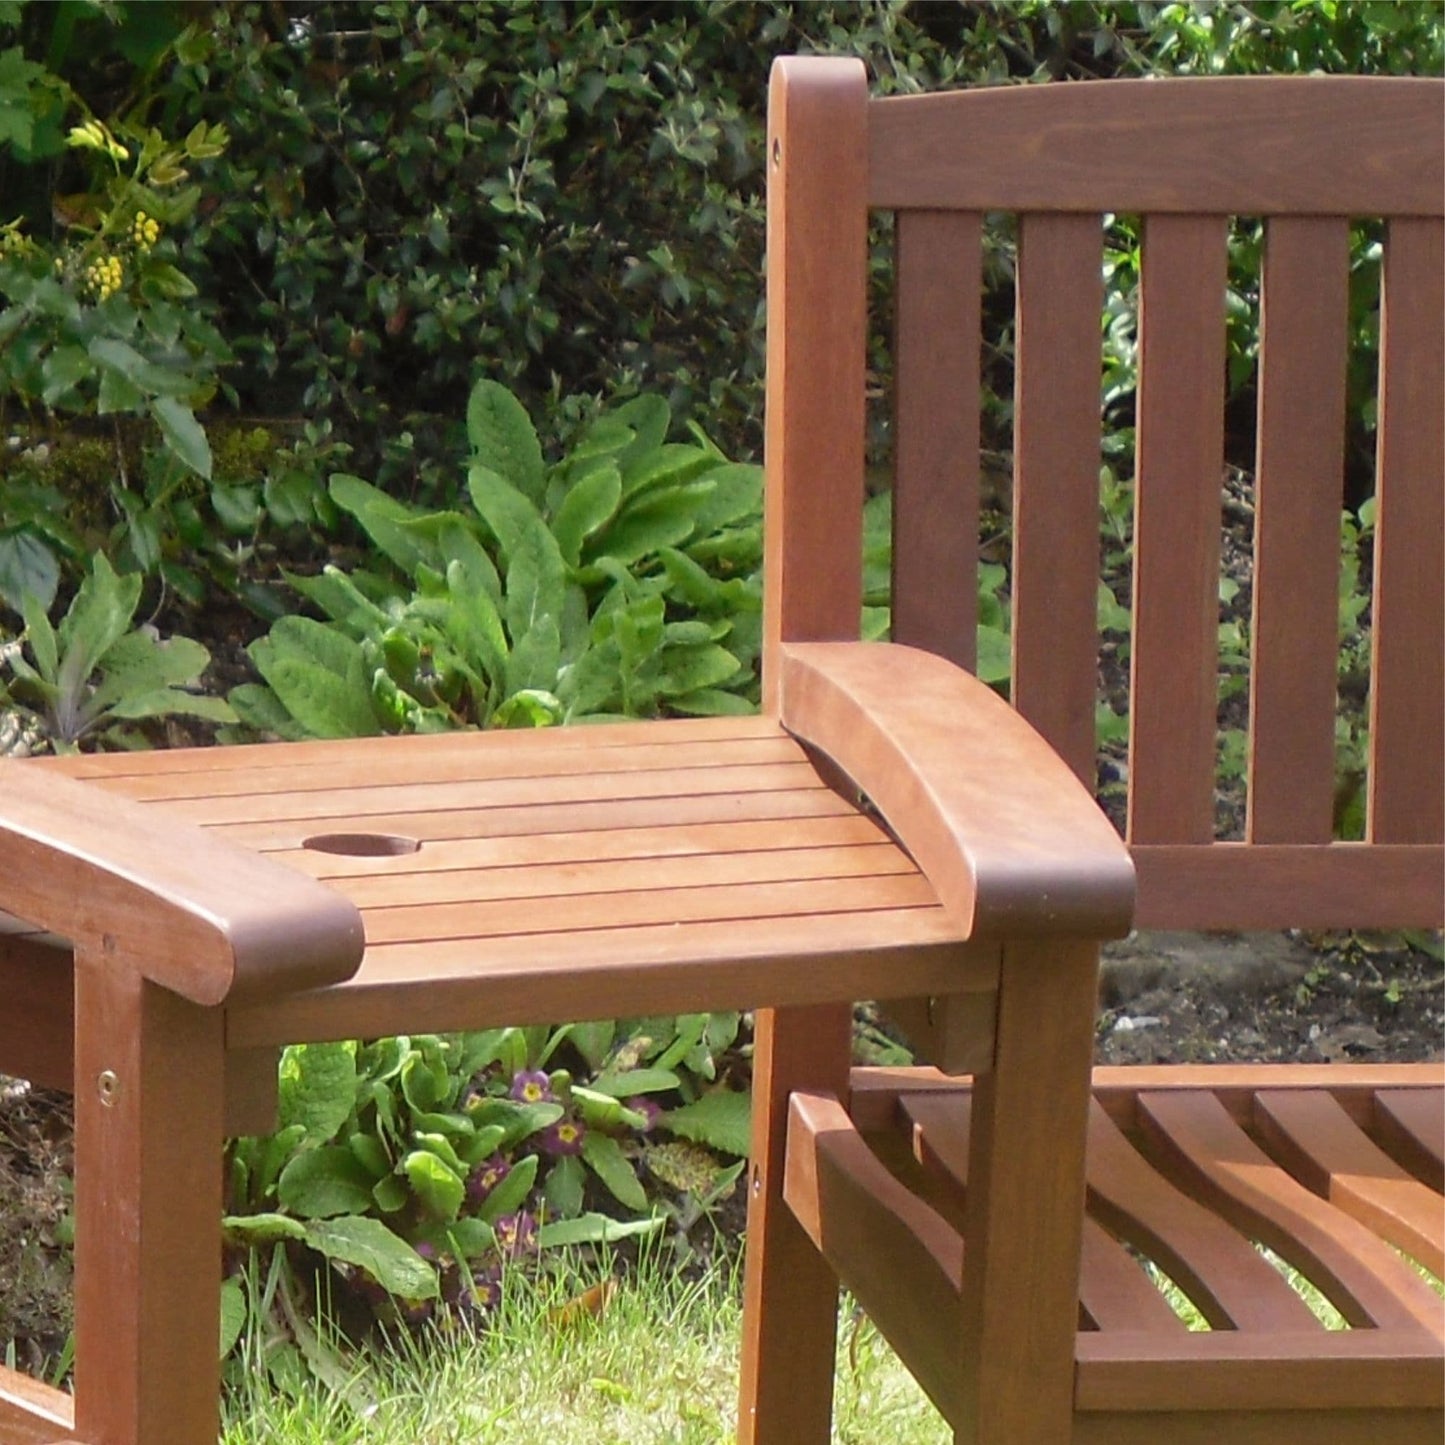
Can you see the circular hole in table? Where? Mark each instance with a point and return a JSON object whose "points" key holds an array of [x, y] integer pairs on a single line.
{"points": [[362, 845]]}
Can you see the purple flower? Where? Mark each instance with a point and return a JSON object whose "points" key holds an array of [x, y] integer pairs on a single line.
{"points": [[486, 1176], [531, 1086], [650, 1110], [516, 1233], [563, 1137]]}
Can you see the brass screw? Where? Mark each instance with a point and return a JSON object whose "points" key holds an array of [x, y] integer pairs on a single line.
{"points": [[107, 1085]]}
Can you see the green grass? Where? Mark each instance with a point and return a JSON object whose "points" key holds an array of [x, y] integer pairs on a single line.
{"points": [[657, 1366]]}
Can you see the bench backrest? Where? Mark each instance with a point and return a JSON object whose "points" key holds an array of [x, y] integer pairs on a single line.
{"points": [[1308, 155]]}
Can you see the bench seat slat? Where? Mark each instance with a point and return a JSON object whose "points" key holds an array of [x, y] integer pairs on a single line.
{"points": [[1195, 1137], [1324, 1148]]}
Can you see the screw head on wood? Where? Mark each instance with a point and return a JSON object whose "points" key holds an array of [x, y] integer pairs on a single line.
{"points": [[107, 1085]]}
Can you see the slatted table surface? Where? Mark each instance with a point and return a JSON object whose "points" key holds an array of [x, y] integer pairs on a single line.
{"points": [[628, 868]]}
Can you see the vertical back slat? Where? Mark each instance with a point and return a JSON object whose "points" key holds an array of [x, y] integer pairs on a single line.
{"points": [[935, 498], [817, 329], [1179, 462], [1298, 485], [1056, 481], [1407, 693]]}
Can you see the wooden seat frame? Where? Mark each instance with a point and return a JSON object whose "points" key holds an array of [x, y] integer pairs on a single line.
{"points": [[958, 1210], [887, 828]]}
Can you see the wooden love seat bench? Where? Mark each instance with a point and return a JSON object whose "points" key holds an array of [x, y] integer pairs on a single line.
{"points": [[887, 828], [992, 1214]]}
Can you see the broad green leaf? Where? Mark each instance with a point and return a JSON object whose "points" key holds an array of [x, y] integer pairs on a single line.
{"points": [[435, 1183], [659, 521], [635, 1081], [317, 1088], [663, 466], [320, 676], [686, 669], [531, 708], [565, 1186], [594, 1229], [587, 506], [27, 565], [340, 599], [259, 708], [390, 1260], [535, 659], [511, 1194], [233, 1314], [320, 1183], [737, 493], [605, 1158], [720, 1119], [184, 435], [261, 1229], [503, 438], [507, 512], [710, 702], [370, 1154], [995, 658], [536, 582], [64, 369], [173, 702]]}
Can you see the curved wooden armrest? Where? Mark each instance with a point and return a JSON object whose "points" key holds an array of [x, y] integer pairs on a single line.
{"points": [[994, 818], [194, 913]]}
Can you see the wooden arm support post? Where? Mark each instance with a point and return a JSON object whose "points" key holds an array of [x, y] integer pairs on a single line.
{"points": [[1018, 851]]}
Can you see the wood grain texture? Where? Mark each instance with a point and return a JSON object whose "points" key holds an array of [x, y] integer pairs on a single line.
{"points": [[900, 1260], [790, 1294], [1363, 1278], [1179, 467], [1260, 1427], [37, 1020], [1299, 483], [1026, 1199], [1236, 145], [208, 919], [932, 748], [1056, 482], [1407, 694], [1353, 1372], [148, 1205], [937, 290], [32, 1413], [1410, 1123], [1325, 1150], [1266, 886], [627, 973], [817, 268]]}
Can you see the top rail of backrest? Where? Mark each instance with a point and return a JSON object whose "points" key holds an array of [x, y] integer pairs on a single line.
{"points": [[1238, 145]]}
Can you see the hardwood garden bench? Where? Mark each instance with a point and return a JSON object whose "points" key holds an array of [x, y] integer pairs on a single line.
{"points": [[888, 828], [992, 1227]]}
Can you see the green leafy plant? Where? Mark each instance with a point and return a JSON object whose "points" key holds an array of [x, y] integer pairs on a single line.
{"points": [[89, 679], [414, 1168], [619, 580]]}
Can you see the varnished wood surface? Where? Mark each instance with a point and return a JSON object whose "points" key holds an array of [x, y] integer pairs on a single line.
{"points": [[817, 317], [1221, 145], [936, 413], [929, 744], [206, 919], [661, 869], [32, 1413], [1266, 1353], [1407, 694], [1298, 489], [1056, 482]]}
